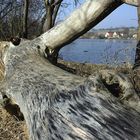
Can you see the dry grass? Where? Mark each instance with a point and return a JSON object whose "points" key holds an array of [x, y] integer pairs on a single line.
{"points": [[11, 128], [82, 69]]}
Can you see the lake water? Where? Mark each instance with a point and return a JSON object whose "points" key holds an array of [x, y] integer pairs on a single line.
{"points": [[100, 51]]}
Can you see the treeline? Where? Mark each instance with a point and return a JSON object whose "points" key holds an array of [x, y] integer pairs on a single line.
{"points": [[11, 18], [29, 18]]}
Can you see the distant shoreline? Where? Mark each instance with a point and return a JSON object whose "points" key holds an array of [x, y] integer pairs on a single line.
{"points": [[108, 38]]}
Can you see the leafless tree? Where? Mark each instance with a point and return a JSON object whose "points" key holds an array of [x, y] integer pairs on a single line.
{"points": [[137, 57], [52, 7], [15, 15], [25, 18], [58, 105]]}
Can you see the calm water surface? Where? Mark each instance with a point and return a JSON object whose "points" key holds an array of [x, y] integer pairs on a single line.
{"points": [[100, 51]]}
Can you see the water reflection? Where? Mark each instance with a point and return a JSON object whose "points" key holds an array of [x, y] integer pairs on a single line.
{"points": [[100, 51]]}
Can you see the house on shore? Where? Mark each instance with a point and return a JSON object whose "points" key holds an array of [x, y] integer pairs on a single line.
{"points": [[134, 36], [111, 35]]}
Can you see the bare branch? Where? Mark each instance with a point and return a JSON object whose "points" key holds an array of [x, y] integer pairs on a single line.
{"points": [[55, 12], [6, 7], [80, 21], [25, 18], [57, 2]]}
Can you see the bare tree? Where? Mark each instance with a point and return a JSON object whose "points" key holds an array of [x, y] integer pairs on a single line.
{"points": [[52, 8], [137, 57], [58, 105], [4, 11], [15, 15], [25, 18], [10, 18]]}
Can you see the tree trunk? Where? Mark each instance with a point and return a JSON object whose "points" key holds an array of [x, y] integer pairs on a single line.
{"points": [[131, 2], [55, 12], [49, 18], [58, 105], [25, 19], [137, 57], [42, 26]]}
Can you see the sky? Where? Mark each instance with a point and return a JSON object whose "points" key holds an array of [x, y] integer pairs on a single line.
{"points": [[123, 16]]}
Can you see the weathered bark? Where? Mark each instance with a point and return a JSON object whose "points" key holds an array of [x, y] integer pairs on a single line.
{"points": [[25, 19], [58, 105], [131, 2]]}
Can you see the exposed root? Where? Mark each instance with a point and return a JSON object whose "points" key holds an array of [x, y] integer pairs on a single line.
{"points": [[120, 86]]}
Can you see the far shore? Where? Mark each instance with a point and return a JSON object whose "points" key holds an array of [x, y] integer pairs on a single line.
{"points": [[109, 38]]}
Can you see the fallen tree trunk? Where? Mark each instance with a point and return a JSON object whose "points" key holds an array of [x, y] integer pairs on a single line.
{"points": [[58, 105]]}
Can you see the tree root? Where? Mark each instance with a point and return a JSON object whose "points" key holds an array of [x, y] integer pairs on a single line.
{"points": [[120, 86]]}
